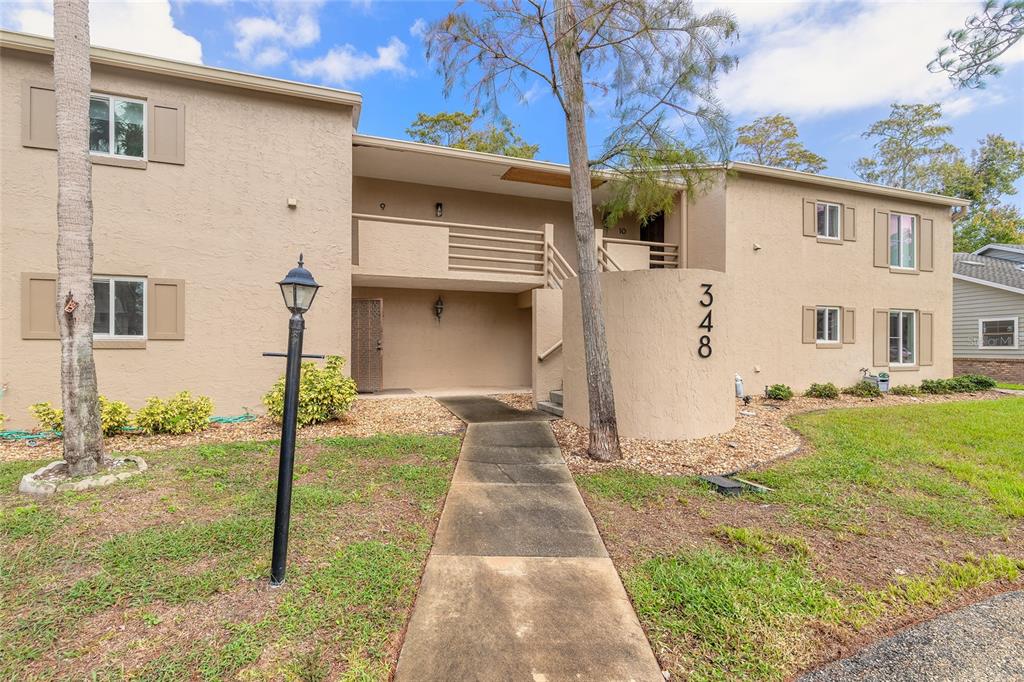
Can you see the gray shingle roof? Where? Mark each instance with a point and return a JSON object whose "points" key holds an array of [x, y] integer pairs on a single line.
{"points": [[995, 270]]}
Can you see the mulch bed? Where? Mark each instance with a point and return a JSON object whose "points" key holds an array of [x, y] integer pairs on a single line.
{"points": [[419, 415], [756, 439]]}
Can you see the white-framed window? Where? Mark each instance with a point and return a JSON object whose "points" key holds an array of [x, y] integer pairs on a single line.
{"points": [[826, 324], [117, 126], [120, 307], [829, 219], [998, 332], [902, 240], [902, 337]]}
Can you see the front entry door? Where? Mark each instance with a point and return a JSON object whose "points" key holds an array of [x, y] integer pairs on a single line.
{"points": [[654, 231], [368, 344]]}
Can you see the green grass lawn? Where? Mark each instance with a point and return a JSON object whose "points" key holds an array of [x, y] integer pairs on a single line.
{"points": [[164, 577], [892, 515], [1012, 387]]}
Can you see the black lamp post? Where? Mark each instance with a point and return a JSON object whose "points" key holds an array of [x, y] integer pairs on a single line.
{"points": [[299, 289]]}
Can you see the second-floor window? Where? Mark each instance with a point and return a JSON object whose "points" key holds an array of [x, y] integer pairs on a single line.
{"points": [[902, 240], [828, 220], [827, 324], [117, 126], [120, 307]]}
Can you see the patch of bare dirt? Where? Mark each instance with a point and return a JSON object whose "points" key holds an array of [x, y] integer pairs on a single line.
{"points": [[760, 436], [405, 415]]}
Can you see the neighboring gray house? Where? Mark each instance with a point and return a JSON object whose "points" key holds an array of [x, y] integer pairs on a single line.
{"points": [[988, 311]]}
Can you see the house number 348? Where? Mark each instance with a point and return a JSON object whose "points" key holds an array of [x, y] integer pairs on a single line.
{"points": [[706, 299]]}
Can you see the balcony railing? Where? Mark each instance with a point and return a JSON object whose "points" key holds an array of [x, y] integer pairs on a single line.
{"points": [[635, 254], [394, 246]]}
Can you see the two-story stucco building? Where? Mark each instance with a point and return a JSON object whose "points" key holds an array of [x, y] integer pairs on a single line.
{"points": [[442, 268]]}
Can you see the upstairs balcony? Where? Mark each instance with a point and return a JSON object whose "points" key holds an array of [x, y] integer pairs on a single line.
{"points": [[416, 253]]}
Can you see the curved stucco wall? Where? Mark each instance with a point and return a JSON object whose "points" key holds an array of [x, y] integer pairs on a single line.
{"points": [[663, 388]]}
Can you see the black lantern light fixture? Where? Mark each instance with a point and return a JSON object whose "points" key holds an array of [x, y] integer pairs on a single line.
{"points": [[299, 289], [439, 209], [438, 308]]}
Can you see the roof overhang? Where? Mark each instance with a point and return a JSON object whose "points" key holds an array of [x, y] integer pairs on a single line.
{"points": [[998, 247], [25, 42], [745, 168], [403, 161], [985, 282]]}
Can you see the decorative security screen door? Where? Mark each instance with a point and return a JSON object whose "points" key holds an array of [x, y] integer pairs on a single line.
{"points": [[368, 344]]}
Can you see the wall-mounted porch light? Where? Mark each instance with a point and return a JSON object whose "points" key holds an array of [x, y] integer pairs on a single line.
{"points": [[439, 209], [438, 308]]}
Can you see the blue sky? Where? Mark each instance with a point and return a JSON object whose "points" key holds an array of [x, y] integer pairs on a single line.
{"points": [[834, 67]]}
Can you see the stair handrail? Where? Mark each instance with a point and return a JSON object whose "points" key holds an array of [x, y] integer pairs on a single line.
{"points": [[544, 356], [606, 260]]}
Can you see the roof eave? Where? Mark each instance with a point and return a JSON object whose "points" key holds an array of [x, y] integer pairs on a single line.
{"points": [[26, 42], [842, 183], [988, 283]]}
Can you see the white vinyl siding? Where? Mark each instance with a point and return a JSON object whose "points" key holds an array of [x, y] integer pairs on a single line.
{"points": [[973, 302]]}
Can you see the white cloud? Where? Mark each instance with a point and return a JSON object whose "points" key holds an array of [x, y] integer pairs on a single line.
{"points": [[820, 62], [145, 27], [418, 28], [291, 26], [344, 64]]}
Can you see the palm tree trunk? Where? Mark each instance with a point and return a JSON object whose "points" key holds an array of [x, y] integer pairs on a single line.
{"points": [[604, 431], [83, 438]]}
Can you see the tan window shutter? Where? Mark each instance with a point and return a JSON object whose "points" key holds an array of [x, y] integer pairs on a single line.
{"points": [[880, 345], [167, 133], [809, 333], [849, 326], [881, 239], [849, 224], [810, 218], [924, 244], [166, 300], [925, 335], [39, 306], [38, 116]]}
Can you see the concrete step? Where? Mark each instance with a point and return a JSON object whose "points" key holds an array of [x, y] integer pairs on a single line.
{"points": [[556, 397], [545, 406]]}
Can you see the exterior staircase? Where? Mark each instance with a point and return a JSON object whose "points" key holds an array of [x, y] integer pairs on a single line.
{"points": [[553, 405]]}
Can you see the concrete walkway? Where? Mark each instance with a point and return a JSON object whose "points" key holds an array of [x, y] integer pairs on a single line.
{"points": [[518, 585], [984, 641]]}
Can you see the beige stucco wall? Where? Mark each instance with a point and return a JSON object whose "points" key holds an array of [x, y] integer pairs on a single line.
{"points": [[663, 389], [546, 305], [409, 200], [220, 222], [482, 340], [771, 285]]}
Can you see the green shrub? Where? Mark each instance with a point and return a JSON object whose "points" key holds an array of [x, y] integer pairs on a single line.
{"points": [[114, 416], [779, 392], [324, 393], [827, 391], [905, 389], [935, 386], [975, 382], [967, 383], [863, 389], [49, 417], [179, 414]]}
